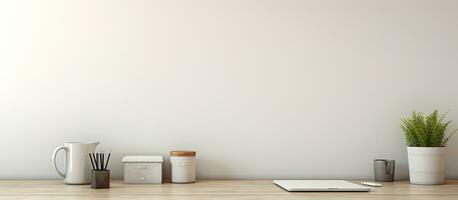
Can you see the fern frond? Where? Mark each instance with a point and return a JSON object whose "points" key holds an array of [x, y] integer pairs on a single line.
{"points": [[426, 131], [444, 143]]}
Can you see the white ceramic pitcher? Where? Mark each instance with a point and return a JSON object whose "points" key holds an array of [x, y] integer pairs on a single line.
{"points": [[77, 163]]}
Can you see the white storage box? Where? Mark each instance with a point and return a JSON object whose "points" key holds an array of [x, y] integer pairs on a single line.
{"points": [[142, 169]]}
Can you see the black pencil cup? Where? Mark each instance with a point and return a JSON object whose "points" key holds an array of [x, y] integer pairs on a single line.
{"points": [[100, 179]]}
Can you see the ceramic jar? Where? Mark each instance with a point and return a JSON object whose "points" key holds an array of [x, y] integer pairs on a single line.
{"points": [[183, 166]]}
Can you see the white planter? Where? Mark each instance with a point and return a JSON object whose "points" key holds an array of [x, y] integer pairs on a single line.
{"points": [[426, 165]]}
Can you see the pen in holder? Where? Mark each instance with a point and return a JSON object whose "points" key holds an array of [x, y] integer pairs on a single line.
{"points": [[100, 176]]}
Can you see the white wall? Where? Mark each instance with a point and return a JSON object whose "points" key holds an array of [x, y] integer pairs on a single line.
{"points": [[261, 89]]}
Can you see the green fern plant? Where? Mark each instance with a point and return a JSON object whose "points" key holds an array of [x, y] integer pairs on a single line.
{"points": [[429, 131]]}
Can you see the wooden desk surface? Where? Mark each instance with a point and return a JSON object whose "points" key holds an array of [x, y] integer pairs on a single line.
{"points": [[213, 189]]}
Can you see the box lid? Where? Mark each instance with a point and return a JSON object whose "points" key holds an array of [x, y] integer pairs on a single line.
{"points": [[142, 159]]}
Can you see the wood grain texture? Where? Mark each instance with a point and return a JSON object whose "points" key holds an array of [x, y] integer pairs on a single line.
{"points": [[213, 189]]}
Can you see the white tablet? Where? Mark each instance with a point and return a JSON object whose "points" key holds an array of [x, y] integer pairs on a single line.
{"points": [[320, 186]]}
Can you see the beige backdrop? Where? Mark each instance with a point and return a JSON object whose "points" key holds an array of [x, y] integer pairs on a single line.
{"points": [[260, 89]]}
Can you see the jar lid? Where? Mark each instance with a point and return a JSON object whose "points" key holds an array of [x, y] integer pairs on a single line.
{"points": [[182, 153]]}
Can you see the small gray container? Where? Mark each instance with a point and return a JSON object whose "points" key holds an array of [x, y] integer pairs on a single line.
{"points": [[384, 170], [100, 179]]}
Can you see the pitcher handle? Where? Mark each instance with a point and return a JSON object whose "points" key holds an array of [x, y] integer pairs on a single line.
{"points": [[63, 174]]}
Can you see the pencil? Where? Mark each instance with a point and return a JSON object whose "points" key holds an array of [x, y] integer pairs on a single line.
{"points": [[96, 161], [108, 159], [92, 163], [102, 156]]}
